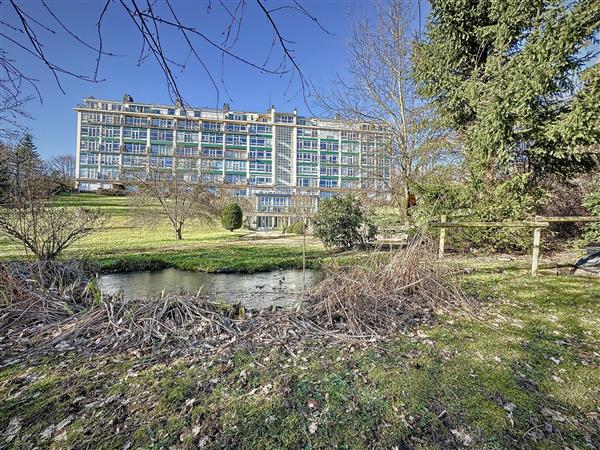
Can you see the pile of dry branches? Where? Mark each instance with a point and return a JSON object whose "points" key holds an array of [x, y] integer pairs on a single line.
{"points": [[117, 323], [42, 292], [386, 294]]}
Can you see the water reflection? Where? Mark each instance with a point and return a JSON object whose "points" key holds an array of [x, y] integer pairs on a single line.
{"points": [[255, 290]]}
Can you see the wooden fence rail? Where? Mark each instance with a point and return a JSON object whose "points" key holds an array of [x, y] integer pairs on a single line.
{"points": [[537, 225]]}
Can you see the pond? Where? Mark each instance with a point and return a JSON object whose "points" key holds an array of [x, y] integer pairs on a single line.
{"points": [[254, 290]]}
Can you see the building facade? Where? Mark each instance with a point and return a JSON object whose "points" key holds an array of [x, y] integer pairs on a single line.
{"points": [[283, 163]]}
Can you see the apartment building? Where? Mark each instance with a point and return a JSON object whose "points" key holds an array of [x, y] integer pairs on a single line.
{"points": [[284, 163]]}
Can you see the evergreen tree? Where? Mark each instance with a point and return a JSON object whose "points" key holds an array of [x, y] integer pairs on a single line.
{"points": [[232, 217], [514, 78], [25, 163], [5, 153]]}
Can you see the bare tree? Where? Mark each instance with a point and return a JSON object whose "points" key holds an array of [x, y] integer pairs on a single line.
{"points": [[380, 93], [153, 21], [34, 218], [161, 195], [61, 170]]}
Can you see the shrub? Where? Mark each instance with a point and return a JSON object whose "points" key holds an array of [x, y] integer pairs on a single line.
{"points": [[297, 228], [232, 217], [591, 202], [342, 222]]}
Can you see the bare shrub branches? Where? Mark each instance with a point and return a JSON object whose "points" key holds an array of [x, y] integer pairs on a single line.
{"points": [[387, 294], [45, 228]]}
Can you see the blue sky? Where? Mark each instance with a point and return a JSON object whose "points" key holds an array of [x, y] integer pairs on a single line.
{"points": [[321, 56]]}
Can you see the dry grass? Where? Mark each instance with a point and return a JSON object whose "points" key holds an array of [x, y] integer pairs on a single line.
{"points": [[385, 295], [42, 292]]}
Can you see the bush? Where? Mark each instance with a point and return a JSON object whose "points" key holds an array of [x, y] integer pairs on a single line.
{"points": [[342, 222], [232, 217], [296, 228], [591, 202]]}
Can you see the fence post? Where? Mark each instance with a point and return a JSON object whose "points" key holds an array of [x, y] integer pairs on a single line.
{"points": [[442, 237], [535, 257]]}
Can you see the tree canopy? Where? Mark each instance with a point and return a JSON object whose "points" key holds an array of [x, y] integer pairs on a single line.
{"points": [[517, 79]]}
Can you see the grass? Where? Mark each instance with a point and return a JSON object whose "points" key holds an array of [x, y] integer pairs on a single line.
{"points": [[524, 375], [126, 244]]}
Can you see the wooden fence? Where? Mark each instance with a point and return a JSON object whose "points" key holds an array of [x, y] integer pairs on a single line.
{"points": [[537, 225]]}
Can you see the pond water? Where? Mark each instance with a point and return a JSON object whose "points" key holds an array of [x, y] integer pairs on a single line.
{"points": [[254, 290]]}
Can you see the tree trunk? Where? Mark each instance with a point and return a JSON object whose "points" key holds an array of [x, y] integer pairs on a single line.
{"points": [[178, 233]]}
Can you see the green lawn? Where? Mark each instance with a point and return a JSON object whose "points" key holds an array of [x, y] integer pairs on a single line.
{"points": [[523, 375], [126, 243]]}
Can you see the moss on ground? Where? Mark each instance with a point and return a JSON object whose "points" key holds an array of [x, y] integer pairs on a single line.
{"points": [[523, 375]]}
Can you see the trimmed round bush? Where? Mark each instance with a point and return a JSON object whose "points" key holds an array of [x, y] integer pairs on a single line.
{"points": [[231, 217]]}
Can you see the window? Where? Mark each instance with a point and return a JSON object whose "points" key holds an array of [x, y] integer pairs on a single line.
{"points": [[329, 134], [260, 167], [186, 163], [234, 116], [307, 132], [307, 157], [212, 164], [111, 119], [328, 183], [109, 160], [261, 129], [235, 166], [284, 118], [307, 170], [161, 123], [349, 171], [259, 181], [329, 170], [211, 126], [212, 152], [134, 161], [89, 145], [88, 158], [235, 154], [161, 135], [109, 147], [211, 138], [91, 131], [237, 127], [349, 184], [90, 117], [329, 159], [260, 153], [161, 162], [187, 136], [367, 160], [235, 139], [211, 178], [260, 141], [350, 135], [111, 132], [350, 147], [136, 121], [157, 149], [330, 146], [186, 151], [307, 182], [135, 148], [187, 125], [235, 179], [135, 133], [349, 159], [306, 144]]}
